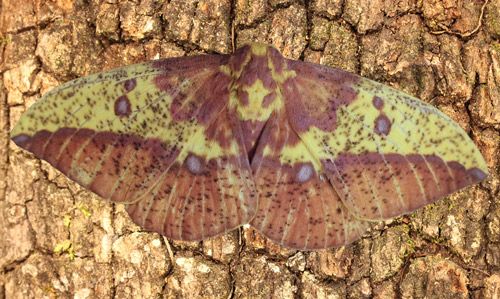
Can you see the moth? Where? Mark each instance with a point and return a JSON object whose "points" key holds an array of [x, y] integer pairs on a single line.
{"points": [[198, 146]]}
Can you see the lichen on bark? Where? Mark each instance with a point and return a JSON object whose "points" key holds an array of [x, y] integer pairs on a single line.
{"points": [[61, 241]]}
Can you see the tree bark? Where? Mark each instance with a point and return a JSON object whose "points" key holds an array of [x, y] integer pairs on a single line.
{"points": [[58, 240]]}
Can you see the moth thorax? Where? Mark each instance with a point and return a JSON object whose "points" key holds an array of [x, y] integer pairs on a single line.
{"points": [[256, 93]]}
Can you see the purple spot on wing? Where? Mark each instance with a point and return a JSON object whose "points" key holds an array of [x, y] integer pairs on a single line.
{"points": [[194, 164], [305, 173], [378, 102], [382, 125], [130, 84], [122, 106]]}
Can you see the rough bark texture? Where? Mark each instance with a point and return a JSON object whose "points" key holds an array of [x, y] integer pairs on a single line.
{"points": [[57, 240]]}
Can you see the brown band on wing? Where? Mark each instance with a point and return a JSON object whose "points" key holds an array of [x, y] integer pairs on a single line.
{"points": [[151, 158], [192, 201], [56, 143], [375, 186], [38, 142], [73, 144], [103, 161]]}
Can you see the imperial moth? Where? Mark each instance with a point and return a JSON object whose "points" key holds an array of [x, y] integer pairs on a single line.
{"points": [[197, 146]]}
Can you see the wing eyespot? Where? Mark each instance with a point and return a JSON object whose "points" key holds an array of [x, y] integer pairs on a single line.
{"points": [[304, 173]]}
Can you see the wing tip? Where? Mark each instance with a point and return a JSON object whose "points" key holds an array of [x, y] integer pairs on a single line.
{"points": [[22, 140], [477, 174], [478, 171]]}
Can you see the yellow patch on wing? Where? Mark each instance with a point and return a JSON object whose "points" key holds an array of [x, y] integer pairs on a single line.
{"points": [[89, 103], [385, 152], [209, 149], [416, 128], [73, 103], [293, 154]]}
